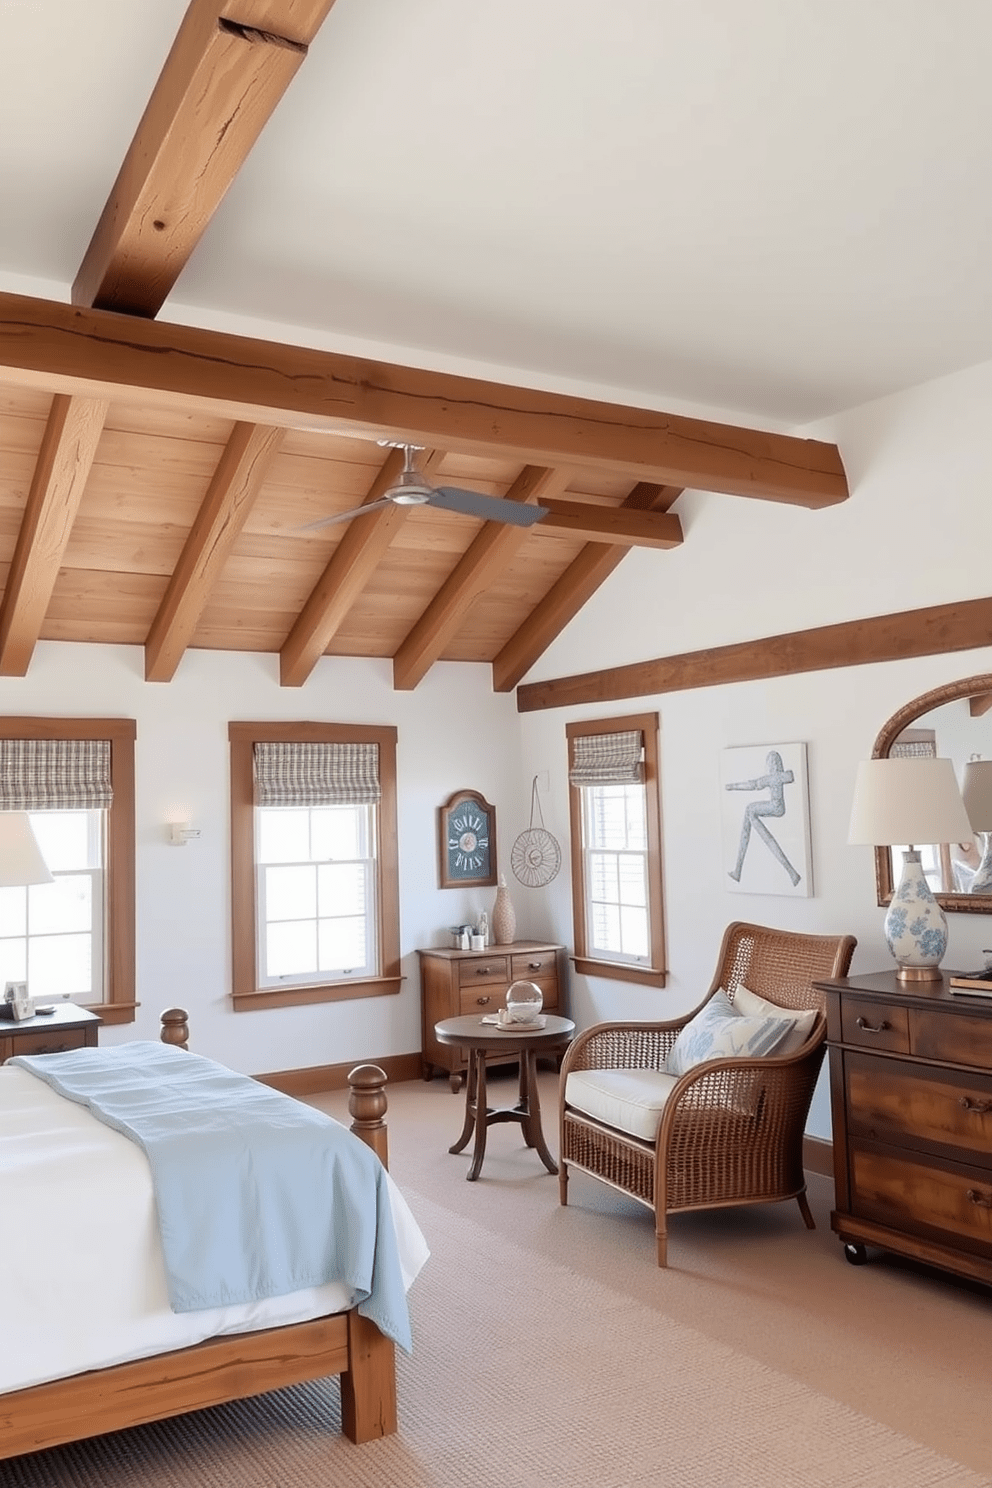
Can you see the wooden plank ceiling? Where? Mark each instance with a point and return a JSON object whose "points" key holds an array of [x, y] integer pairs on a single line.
{"points": [[155, 480]]}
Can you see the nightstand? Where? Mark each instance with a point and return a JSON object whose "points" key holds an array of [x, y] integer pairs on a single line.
{"points": [[69, 1027]]}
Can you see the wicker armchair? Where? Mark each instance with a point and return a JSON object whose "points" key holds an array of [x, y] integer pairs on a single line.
{"points": [[731, 1130]]}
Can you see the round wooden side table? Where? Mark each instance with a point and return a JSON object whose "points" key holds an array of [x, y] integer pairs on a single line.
{"points": [[477, 1038]]}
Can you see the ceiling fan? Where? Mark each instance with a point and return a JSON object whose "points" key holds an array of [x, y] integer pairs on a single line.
{"points": [[411, 489]]}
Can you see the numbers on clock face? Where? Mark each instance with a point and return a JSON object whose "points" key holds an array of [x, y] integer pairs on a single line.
{"points": [[468, 840]]}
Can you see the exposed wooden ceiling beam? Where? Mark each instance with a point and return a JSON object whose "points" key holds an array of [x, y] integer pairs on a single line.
{"points": [[350, 567], [570, 592], [488, 553], [612, 524], [932, 631], [236, 482], [220, 84], [71, 349], [68, 446]]}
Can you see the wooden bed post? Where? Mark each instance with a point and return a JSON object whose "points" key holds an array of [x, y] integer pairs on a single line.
{"points": [[175, 1028], [368, 1385], [367, 1107]]}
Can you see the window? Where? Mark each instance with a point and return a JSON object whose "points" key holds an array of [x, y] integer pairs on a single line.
{"points": [[72, 938], [314, 869], [616, 848]]}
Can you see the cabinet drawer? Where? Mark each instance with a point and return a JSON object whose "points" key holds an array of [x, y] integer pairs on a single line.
{"points": [[896, 1191], [954, 1037], [936, 1110], [55, 1042], [875, 1025], [482, 969], [486, 997], [490, 995], [534, 965]]}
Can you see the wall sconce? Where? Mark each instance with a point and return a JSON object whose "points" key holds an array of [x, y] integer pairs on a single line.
{"points": [[180, 832]]}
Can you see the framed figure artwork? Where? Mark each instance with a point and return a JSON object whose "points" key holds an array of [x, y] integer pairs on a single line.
{"points": [[466, 840], [764, 799]]}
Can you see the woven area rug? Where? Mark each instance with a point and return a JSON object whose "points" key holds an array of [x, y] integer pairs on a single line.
{"points": [[524, 1373]]}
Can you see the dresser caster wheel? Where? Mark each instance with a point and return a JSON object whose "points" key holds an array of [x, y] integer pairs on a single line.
{"points": [[856, 1255]]}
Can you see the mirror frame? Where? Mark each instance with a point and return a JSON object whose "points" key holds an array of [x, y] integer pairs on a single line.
{"points": [[950, 693]]}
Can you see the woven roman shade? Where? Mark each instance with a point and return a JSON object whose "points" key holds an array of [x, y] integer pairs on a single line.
{"points": [[305, 774], [54, 774], [607, 759]]}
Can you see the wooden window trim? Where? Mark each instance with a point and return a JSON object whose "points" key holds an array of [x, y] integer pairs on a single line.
{"points": [[656, 974], [119, 1004], [246, 993]]}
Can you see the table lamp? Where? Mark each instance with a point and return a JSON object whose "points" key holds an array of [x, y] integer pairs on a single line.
{"points": [[21, 861], [899, 802], [976, 792]]}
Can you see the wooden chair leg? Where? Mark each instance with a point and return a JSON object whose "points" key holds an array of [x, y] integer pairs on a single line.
{"points": [[804, 1210], [562, 1182], [662, 1238]]}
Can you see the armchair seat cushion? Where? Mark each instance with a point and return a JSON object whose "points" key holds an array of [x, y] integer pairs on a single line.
{"points": [[631, 1100]]}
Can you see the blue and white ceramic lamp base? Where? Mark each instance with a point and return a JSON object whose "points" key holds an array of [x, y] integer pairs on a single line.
{"points": [[915, 925]]}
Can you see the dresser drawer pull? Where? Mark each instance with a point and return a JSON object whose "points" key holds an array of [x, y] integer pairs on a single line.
{"points": [[483, 971], [483, 1000], [867, 1027], [534, 965], [984, 1201], [981, 1108]]}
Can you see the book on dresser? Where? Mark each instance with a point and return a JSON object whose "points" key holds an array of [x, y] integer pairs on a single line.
{"points": [[971, 983]]}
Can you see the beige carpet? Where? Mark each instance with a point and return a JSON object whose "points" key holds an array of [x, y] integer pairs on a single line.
{"points": [[550, 1350]]}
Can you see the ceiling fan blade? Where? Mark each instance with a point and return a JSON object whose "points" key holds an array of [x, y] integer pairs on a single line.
{"points": [[357, 511], [488, 508]]}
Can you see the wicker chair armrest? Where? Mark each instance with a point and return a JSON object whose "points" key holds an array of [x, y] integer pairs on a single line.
{"points": [[622, 1046], [744, 1087]]}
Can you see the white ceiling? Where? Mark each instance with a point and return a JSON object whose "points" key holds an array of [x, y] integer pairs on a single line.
{"points": [[781, 207]]}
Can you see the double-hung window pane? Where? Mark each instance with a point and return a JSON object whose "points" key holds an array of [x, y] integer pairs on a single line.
{"points": [[52, 935], [316, 888], [616, 871]]}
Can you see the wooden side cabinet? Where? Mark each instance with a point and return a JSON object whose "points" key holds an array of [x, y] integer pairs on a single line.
{"points": [[911, 1100], [455, 983], [69, 1027]]}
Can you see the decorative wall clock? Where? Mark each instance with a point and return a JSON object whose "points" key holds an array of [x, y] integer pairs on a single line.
{"points": [[466, 840]]}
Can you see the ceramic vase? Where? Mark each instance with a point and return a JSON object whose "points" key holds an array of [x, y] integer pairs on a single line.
{"points": [[915, 925], [504, 920]]}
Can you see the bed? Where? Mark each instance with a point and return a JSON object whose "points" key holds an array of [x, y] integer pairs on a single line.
{"points": [[108, 1357]]}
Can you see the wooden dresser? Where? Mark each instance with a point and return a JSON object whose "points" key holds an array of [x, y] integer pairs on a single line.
{"points": [[455, 983], [911, 1095], [69, 1027]]}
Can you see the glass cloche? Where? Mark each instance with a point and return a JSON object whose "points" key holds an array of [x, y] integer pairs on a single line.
{"points": [[524, 1001]]}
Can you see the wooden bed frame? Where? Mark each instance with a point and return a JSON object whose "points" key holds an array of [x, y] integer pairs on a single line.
{"points": [[228, 1368]]}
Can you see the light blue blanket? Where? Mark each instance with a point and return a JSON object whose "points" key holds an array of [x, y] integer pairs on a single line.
{"points": [[257, 1194]]}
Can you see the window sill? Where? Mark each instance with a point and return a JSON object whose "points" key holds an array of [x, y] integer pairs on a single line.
{"points": [[112, 1012], [274, 997], [620, 971]]}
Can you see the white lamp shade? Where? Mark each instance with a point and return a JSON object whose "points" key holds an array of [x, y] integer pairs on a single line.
{"points": [[21, 861], [906, 801], [976, 791]]}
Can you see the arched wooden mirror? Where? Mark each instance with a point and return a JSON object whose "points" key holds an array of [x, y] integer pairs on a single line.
{"points": [[953, 722]]}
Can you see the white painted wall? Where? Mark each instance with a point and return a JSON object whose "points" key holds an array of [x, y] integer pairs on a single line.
{"points": [[916, 531], [453, 733]]}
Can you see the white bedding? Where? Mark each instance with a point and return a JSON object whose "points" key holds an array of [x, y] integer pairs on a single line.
{"points": [[78, 1232]]}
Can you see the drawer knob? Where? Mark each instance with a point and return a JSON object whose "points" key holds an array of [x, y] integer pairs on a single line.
{"points": [[534, 965], [483, 1000], [867, 1027], [482, 970], [981, 1108], [984, 1201]]}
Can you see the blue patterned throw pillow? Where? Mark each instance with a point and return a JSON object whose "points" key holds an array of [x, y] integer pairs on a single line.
{"points": [[719, 1032]]}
